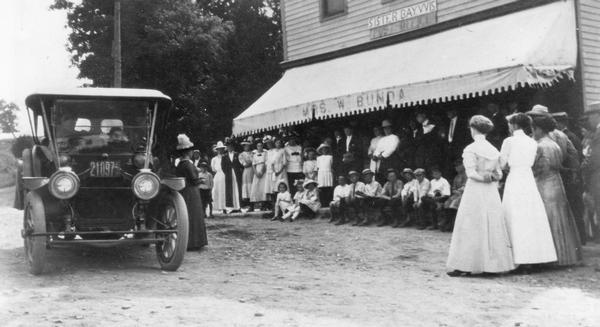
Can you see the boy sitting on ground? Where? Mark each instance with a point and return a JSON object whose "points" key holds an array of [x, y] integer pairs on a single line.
{"points": [[371, 195], [392, 199], [423, 187], [339, 196], [433, 201], [353, 201]]}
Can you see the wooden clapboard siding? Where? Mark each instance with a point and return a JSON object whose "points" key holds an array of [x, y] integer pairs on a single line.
{"points": [[306, 34], [589, 47]]}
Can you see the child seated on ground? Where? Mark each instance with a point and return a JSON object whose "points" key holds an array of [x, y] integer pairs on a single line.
{"points": [[451, 205], [353, 202], [371, 195], [409, 192], [283, 202], [309, 203], [295, 206], [433, 201], [391, 197], [340, 193], [205, 187]]}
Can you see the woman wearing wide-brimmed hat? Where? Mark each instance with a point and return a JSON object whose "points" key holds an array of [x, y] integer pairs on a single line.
{"points": [[218, 191], [185, 168]]}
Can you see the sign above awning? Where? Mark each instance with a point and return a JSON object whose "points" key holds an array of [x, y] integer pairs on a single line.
{"points": [[532, 47]]}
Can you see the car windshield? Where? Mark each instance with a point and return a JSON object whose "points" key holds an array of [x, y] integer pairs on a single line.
{"points": [[100, 126]]}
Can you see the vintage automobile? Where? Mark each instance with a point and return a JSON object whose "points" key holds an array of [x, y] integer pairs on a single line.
{"points": [[94, 175]]}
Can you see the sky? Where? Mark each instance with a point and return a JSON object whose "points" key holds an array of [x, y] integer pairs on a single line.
{"points": [[33, 53]]}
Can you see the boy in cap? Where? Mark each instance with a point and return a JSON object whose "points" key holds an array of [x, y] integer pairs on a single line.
{"points": [[392, 199], [353, 200], [410, 189], [340, 193], [433, 201], [205, 186], [423, 187], [371, 195]]}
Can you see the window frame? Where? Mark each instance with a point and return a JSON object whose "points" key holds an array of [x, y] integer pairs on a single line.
{"points": [[325, 17]]}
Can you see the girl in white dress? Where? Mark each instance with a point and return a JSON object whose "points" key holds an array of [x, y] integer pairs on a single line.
{"points": [[523, 207], [325, 174], [219, 184], [480, 241], [309, 167]]}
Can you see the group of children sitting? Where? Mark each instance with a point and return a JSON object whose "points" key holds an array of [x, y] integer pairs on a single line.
{"points": [[409, 199]]}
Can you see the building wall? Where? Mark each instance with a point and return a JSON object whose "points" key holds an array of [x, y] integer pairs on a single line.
{"points": [[589, 45], [306, 34]]}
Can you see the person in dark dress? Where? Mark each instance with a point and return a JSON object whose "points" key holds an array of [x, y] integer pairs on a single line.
{"points": [[500, 131], [232, 168], [191, 194], [428, 143]]}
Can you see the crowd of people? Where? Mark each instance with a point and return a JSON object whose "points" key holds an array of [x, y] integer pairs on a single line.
{"points": [[515, 190]]}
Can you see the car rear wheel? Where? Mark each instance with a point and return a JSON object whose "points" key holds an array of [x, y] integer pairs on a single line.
{"points": [[174, 215], [34, 221]]}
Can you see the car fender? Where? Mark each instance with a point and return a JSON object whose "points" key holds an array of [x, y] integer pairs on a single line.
{"points": [[174, 183]]}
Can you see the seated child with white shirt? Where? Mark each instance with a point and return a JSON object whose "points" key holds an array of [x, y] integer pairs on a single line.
{"points": [[283, 202], [433, 201], [293, 210], [340, 193]]}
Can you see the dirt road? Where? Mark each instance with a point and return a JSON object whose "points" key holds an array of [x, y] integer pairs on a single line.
{"points": [[309, 273]]}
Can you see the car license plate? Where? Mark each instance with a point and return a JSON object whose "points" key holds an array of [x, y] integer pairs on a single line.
{"points": [[104, 169]]}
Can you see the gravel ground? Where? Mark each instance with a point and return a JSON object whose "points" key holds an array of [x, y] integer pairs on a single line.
{"points": [[308, 273]]}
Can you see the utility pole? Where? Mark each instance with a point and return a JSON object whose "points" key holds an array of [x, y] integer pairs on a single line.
{"points": [[117, 44]]}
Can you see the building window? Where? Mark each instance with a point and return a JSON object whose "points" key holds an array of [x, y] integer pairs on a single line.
{"points": [[332, 8]]}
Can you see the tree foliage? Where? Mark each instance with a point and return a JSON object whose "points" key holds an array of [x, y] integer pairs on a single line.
{"points": [[214, 58], [8, 117]]}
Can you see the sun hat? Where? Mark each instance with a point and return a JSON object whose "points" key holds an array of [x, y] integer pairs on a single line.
{"points": [[538, 110], [299, 182], [203, 164], [308, 182], [419, 171], [353, 172], [183, 142], [322, 146], [560, 115], [408, 171], [220, 145], [367, 172], [386, 123]]}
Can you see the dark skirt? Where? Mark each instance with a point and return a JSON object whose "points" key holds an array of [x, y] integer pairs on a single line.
{"points": [[197, 233]]}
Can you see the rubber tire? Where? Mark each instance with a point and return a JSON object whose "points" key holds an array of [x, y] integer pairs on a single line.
{"points": [[172, 264], [34, 206]]}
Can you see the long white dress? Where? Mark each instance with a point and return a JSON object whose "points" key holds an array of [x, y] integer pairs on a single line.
{"points": [[257, 191], [245, 159], [324, 173], [523, 207], [480, 241], [219, 184]]}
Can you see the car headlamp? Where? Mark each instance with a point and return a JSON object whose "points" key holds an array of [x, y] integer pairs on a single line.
{"points": [[64, 183], [145, 185]]}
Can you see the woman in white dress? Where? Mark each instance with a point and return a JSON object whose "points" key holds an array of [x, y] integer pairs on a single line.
{"points": [[523, 207], [219, 183], [245, 159], [480, 241], [258, 193]]}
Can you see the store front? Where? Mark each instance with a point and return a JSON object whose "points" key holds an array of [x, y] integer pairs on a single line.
{"points": [[513, 61]]}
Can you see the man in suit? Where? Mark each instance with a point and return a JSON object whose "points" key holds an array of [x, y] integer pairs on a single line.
{"points": [[428, 143], [591, 163], [337, 150], [456, 139], [352, 144], [232, 168]]}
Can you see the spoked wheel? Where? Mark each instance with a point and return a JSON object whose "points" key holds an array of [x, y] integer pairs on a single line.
{"points": [[174, 215], [34, 221]]}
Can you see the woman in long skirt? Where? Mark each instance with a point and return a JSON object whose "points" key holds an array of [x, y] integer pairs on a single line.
{"points": [[258, 192], [480, 241], [325, 173], [549, 183], [219, 182], [186, 168], [245, 159], [524, 209]]}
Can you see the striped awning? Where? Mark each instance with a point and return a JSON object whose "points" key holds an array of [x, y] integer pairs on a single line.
{"points": [[534, 47]]}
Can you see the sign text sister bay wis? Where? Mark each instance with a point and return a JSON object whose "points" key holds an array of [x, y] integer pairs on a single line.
{"points": [[403, 20]]}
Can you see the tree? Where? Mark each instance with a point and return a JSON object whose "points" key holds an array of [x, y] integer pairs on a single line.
{"points": [[8, 117], [213, 58]]}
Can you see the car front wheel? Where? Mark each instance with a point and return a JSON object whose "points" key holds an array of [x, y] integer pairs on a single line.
{"points": [[173, 216], [34, 221]]}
